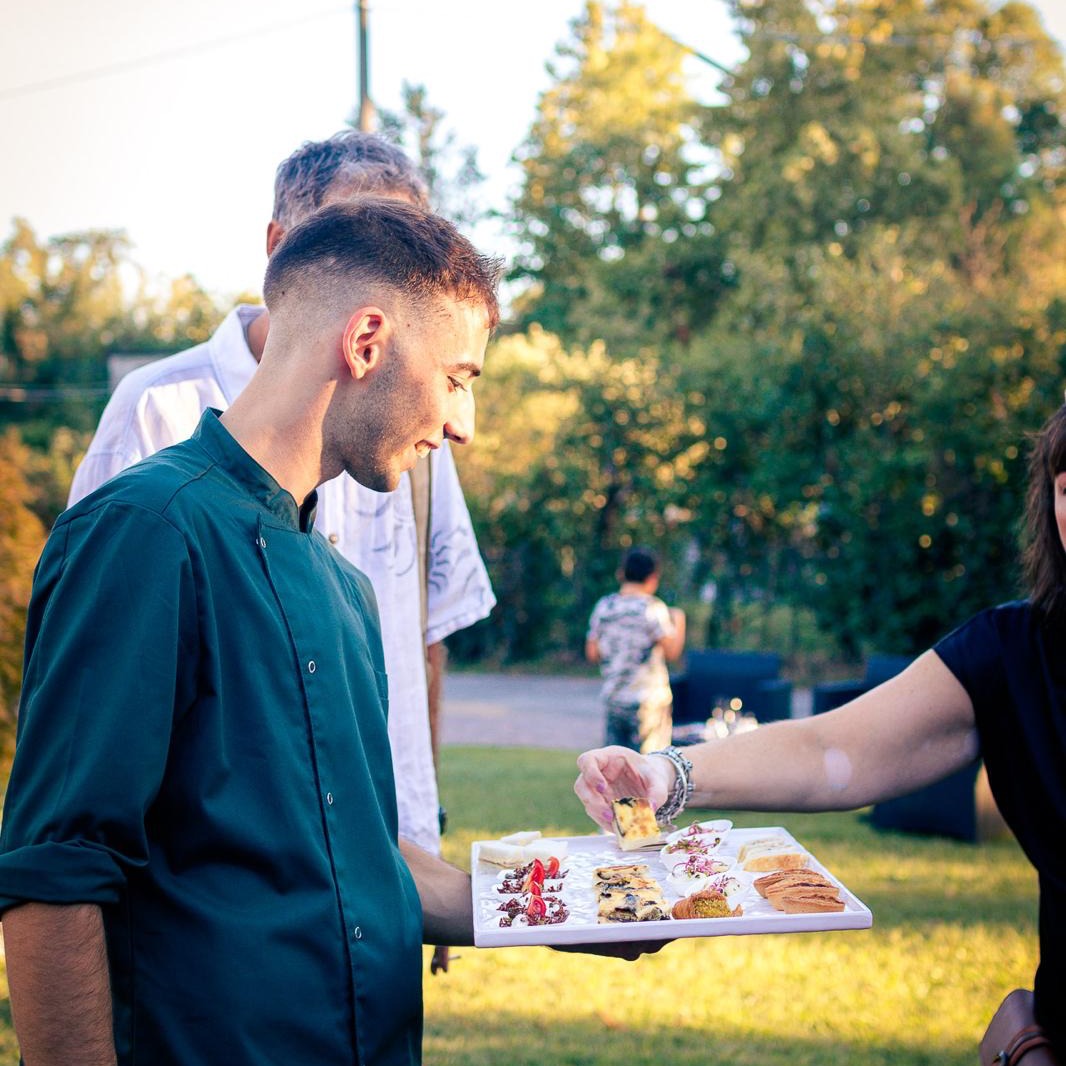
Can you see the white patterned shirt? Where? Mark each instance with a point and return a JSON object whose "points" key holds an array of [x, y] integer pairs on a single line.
{"points": [[160, 404], [628, 630]]}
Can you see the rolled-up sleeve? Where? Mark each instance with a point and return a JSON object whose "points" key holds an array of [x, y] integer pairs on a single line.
{"points": [[111, 652]]}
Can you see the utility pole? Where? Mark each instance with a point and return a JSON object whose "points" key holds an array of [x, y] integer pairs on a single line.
{"points": [[366, 108]]}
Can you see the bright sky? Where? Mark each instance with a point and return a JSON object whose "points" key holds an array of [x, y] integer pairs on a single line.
{"points": [[168, 119]]}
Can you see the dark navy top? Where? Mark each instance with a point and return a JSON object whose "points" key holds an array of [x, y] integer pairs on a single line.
{"points": [[1013, 665], [202, 752]]}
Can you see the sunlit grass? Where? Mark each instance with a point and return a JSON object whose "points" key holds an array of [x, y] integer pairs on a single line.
{"points": [[954, 930]]}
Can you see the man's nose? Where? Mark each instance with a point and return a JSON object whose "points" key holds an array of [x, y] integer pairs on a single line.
{"points": [[460, 424]]}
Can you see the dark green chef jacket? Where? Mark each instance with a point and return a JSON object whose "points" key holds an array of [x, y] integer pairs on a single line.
{"points": [[202, 751]]}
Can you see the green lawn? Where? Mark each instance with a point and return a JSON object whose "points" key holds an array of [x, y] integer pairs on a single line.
{"points": [[954, 929]]}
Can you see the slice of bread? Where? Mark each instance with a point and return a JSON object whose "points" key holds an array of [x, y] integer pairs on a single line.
{"points": [[808, 902], [525, 836], [761, 844], [781, 879], [492, 851], [800, 888], [765, 861]]}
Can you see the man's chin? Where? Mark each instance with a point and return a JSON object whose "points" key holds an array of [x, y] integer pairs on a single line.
{"points": [[377, 480]]}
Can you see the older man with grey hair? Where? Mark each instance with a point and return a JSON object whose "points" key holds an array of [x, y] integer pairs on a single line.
{"points": [[424, 590]]}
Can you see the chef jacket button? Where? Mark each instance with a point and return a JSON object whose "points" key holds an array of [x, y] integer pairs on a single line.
{"points": [[329, 798], [311, 668], [333, 538], [357, 932]]}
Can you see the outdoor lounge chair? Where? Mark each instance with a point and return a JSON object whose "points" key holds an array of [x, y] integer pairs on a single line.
{"points": [[714, 677]]}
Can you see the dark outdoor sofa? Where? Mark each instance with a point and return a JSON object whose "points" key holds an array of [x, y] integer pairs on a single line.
{"points": [[715, 677]]}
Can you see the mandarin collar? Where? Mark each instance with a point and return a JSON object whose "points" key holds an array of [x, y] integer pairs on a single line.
{"points": [[220, 445]]}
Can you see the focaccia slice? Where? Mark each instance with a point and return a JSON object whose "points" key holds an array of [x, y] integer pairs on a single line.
{"points": [[634, 884], [634, 823], [620, 875], [632, 905]]}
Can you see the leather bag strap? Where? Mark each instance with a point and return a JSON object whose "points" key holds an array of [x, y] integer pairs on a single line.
{"points": [[1024, 1041]]}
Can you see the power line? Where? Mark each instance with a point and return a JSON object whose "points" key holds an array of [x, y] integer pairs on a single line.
{"points": [[125, 66], [694, 52], [972, 37]]}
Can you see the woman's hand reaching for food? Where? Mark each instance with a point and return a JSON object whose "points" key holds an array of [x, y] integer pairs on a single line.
{"points": [[607, 774]]}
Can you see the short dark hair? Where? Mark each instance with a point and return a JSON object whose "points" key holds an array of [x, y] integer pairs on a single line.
{"points": [[1044, 556], [639, 564], [387, 242], [360, 162]]}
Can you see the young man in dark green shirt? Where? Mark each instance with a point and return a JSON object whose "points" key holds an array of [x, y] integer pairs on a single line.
{"points": [[199, 861]]}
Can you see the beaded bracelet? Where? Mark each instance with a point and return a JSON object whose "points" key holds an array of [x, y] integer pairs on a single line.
{"points": [[682, 788]]}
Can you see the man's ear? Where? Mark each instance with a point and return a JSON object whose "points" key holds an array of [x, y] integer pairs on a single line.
{"points": [[275, 231], [364, 340]]}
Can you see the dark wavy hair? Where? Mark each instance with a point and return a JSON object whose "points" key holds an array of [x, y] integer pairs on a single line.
{"points": [[1044, 557]]}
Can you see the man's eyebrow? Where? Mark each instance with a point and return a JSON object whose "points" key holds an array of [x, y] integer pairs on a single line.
{"points": [[471, 368]]}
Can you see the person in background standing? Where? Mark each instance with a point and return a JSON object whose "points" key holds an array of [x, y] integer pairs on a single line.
{"points": [[632, 634]]}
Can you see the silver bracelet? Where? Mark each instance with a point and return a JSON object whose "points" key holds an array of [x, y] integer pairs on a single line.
{"points": [[683, 786]]}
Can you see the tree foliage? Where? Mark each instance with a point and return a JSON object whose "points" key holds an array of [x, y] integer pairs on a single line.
{"points": [[65, 303], [895, 322], [877, 227], [451, 169], [574, 461], [612, 213], [21, 540], [794, 337]]}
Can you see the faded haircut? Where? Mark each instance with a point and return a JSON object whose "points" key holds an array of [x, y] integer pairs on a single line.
{"points": [[354, 162], [1045, 557], [373, 241]]}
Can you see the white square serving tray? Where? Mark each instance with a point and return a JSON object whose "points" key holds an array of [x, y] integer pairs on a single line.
{"points": [[586, 853]]}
